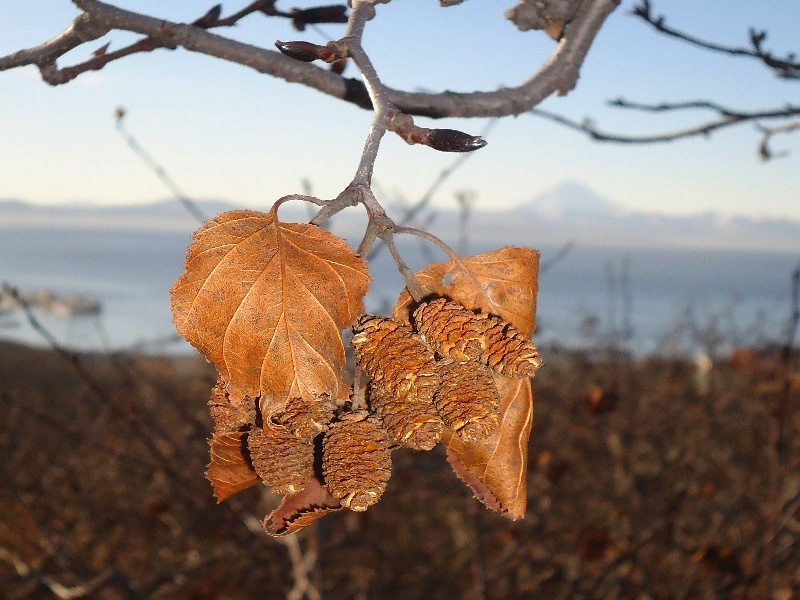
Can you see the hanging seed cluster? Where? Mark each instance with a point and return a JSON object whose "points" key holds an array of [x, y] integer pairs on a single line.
{"points": [[437, 373], [461, 334], [356, 460], [403, 380]]}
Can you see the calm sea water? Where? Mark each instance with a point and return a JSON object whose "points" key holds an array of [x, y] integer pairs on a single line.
{"points": [[584, 298]]}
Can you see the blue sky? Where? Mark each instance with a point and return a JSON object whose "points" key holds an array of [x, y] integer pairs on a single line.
{"points": [[224, 131]]}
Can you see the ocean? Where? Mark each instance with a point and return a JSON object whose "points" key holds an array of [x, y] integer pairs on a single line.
{"points": [[648, 300]]}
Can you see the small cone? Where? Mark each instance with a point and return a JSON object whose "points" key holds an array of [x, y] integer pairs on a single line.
{"points": [[467, 399], [229, 417], [356, 460], [403, 377], [283, 461], [306, 418], [461, 334]]}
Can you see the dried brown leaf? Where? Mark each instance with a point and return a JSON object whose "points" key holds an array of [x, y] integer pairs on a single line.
{"points": [[230, 470], [266, 301], [500, 463], [503, 283], [300, 509]]}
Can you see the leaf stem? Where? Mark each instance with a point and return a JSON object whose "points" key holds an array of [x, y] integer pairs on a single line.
{"points": [[430, 237], [357, 399], [312, 199], [412, 285]]}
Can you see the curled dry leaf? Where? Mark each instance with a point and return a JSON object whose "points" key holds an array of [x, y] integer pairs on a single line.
{"points": [[503, 283], [230, 470], [300, 509], [266, 301]]}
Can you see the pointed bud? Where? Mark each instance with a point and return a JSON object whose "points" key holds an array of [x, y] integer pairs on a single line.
{"points": [[210, 18], [302, 51], [308, 52], [101, 50], [318, 15], [451, 140]]}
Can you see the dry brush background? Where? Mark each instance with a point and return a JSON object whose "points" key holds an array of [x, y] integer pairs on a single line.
{"points": [[644, 482]]}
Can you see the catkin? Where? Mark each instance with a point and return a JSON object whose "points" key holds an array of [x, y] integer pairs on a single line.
{"points": [[229, 417], [283, 461], [461, 334], [403, 379], [415, 425], [306, 418], [356, 460], [467, 399]]}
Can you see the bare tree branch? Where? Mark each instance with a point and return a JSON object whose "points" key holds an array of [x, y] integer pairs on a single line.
{"points": [[727, 118], [558, 75], [786, 68]]}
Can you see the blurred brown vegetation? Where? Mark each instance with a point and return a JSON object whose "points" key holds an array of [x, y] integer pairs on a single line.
{"points": [[644, 483]]}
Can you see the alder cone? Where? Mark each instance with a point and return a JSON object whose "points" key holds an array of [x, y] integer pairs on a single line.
{"points": [[403, 377], [461, 334], [467, 399], [305, 419], [356, 460], [284, 462], [415, 425], [227, 415], [503, 283]]}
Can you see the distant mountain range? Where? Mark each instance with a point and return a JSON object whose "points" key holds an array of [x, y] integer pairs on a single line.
{"points": [[569, 213], [572, 212]]}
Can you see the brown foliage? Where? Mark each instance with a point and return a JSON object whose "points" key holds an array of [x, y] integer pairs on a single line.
{"points": [[300, 509], [690, 494], [230, 470], [266, 301], [502, 283]]}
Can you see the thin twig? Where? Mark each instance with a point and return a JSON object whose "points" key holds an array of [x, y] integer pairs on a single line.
{"points": [[72, 358], [557, 75], [786, 68], [363, 11], [728, 118], [189, 204], [431, 238]]}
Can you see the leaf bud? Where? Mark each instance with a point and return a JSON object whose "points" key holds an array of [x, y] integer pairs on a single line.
{"points": [[299, 50], [451, 140], [318, 15], [210, 18]]}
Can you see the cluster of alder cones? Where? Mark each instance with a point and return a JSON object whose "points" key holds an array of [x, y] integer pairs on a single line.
{"points": [[422, 379]]}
